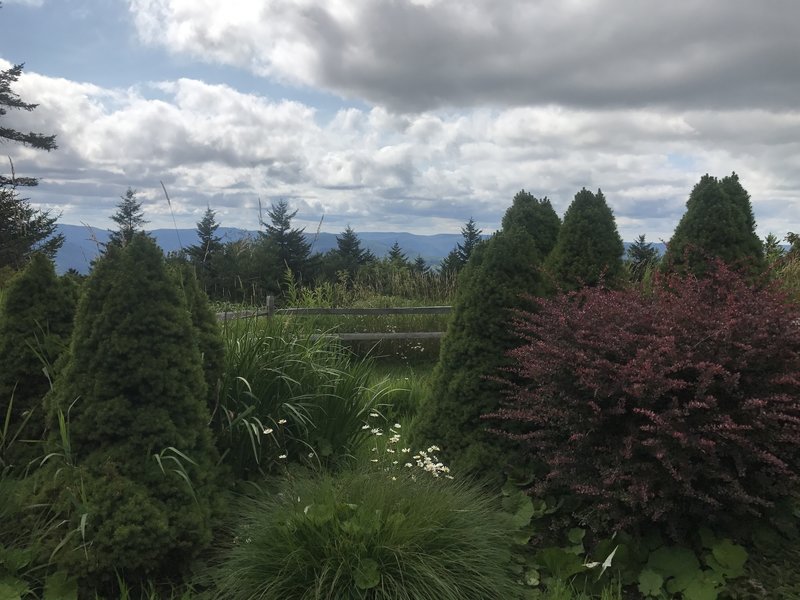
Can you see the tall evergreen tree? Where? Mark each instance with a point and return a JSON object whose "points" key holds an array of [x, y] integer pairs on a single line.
{"points": [[537, 217], [773, 251], [207, 251], [451, 264], [396, 256], [718, 223], [129, 217], [140, 443], [287, 246], [348, 256], [35, 326], [472, 237], [420, 266], [641, 256], [588, 248], [25, 230], [10, 100]]}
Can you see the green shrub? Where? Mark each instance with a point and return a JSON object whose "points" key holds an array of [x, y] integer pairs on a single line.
{"points": [[589, 247], [209, 334], [718, 224], [368, 535], [35, 324], [140, 482], [474, 349]]}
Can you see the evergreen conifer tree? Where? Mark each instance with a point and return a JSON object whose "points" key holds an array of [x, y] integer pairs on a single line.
{"points": [[419, 265], [129, 217], [718, 223], [25, 230], [207, 329], [641, 256], [495, 281], [396, 257], [135, 395], [472, 237], [537, 217], [451, 264], [284, 246], [205, 255], [348, 255], [588, 248], [35, 325]]}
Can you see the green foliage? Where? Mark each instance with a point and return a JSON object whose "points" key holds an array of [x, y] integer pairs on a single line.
{"points": [[286, 393], [588, 248], [24, 230], [537, 217], [129, 218], [500, 271], [718, 223], [207, 329], [132, 389], [641, 259], [10, 100], [35, 324], [472, 237], [205, 255], [368, 535], [282, 246]]}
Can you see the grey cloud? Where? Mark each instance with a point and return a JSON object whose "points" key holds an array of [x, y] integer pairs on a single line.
{"points": [[410, 57]]}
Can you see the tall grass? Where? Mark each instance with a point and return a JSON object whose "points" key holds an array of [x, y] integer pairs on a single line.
{"points": [[286, 395]]}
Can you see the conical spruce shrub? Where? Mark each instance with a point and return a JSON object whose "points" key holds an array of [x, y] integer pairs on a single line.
{"points": [[537, 217], [134, 396], [589, 248], [493, 283], [209, 335], [35, 324], [718, 224]]}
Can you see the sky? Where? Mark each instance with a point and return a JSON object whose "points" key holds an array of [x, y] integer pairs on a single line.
{"points": [[405, 115]]}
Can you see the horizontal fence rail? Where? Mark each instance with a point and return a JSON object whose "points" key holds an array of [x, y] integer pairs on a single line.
{"points": [[269, 310]]}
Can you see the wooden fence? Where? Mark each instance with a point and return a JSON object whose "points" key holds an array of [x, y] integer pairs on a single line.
{"points": [[269, 310]]}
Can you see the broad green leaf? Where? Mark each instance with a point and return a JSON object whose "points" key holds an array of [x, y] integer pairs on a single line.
{"points": [[731, 557], [673, 561], [701, 588], [575, 535], [60, 586], [650, 583], [560, 563], [367, 575]]}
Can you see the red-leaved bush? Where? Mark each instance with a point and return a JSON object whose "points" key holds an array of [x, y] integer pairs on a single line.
{"points": [[675, 406]]}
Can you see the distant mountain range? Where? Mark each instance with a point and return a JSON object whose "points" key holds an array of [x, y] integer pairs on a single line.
{"points": [[82, 244]]}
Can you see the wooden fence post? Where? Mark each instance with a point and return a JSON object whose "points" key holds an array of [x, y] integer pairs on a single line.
{"points": [[270, 306]]}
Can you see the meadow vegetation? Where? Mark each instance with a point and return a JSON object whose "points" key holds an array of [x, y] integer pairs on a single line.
{"points": [[589, 428]]}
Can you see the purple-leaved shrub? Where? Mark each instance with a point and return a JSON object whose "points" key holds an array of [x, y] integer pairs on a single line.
{"points": [[673, 406]]}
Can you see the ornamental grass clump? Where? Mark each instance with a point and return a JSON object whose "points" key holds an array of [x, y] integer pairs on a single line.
{"points": [[283, 378], [360, 534], [675, 407]]}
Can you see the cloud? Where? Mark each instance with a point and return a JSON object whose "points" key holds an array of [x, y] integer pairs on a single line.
{"points": [[378, 169], [415, 55]]}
